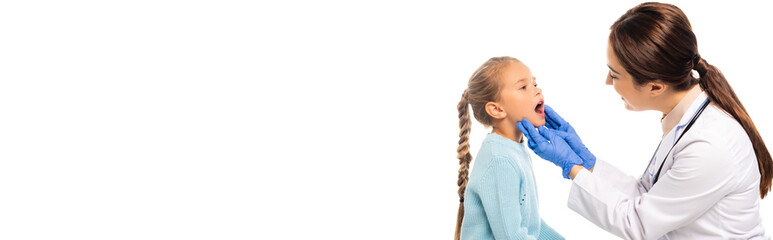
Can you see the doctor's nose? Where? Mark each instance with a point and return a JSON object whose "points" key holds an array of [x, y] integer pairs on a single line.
{"points": [[609, 80]]}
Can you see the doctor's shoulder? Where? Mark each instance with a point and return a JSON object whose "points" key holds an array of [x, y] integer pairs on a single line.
{"points": [[719, 139], [723, 129]]}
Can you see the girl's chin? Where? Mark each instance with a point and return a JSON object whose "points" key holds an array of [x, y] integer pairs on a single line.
{"points": [[537, 121]]}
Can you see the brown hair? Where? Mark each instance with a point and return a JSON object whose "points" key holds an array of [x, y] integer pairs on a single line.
{"points": [[655, 41], [483, 87]]}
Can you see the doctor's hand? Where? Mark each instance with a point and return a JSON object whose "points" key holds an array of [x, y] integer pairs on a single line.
{"points": [[547, 144], [566, 131]]}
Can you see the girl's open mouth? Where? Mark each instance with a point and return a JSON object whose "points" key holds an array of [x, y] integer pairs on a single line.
{"points": [[540, 109]]}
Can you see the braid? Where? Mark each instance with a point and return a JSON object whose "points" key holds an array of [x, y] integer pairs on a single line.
{"points": [[483, 87], [463, 154]]}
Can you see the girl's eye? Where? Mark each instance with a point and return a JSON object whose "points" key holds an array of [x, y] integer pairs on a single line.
{"points": [[523, 88], [535, 85]]}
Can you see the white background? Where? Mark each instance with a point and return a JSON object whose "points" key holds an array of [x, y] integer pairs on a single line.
{"points": [[305, 119]]}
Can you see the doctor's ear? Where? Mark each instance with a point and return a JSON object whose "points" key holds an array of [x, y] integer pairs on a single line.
{"points": [[656, 87], [495, 110]]}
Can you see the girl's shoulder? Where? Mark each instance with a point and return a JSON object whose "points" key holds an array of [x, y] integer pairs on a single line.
{"points": [[497, 153], [503, 148]]}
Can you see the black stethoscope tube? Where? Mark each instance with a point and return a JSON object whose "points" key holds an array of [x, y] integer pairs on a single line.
{"points": [[692, 121]]}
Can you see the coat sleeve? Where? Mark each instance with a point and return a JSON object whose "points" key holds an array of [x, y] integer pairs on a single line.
{"points": [[700, 176], [618, 180]]}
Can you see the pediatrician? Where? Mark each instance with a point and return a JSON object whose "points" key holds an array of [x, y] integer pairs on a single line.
{"points": [[707, 177]]}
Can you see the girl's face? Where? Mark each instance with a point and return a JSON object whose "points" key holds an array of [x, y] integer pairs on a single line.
{"points": [[634, 97], [520, 97]]}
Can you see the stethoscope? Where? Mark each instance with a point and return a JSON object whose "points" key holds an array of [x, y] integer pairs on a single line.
{"points": [[655, 177]]}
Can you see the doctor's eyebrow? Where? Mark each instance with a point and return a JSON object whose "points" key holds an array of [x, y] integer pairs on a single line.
{"points": [[613, 70]]}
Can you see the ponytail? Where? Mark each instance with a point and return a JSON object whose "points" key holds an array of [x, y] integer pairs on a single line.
{"points": [[716, 86], [463, 154]]}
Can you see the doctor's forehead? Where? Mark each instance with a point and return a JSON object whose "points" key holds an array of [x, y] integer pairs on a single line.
{"points": [[612, 61]]}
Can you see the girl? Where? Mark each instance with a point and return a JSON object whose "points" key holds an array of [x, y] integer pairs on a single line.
{"points": [[502, 199]]}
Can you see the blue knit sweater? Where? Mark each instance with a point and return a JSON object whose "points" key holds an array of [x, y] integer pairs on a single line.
{"points": [[501, 199]]}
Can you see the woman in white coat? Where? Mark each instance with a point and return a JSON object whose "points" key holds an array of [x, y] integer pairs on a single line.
{"points": [[707, 177]]}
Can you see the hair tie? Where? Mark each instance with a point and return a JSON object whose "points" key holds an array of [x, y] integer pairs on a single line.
{"points": [[461, 200], [696, 59], [701, 66]]}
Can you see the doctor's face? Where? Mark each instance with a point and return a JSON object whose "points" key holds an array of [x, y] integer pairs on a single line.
{"points": [[634, 97]]}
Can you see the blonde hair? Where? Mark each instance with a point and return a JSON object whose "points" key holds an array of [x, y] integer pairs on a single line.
{"points": [[483, 87]]}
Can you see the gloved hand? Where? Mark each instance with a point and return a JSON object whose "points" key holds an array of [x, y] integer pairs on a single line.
{"points": [[550, 146], [566, 131]]}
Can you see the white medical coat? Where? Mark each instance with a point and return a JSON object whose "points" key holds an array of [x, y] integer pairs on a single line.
{"points": [[708, 188]]}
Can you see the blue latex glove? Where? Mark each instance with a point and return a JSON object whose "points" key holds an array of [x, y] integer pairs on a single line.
{"points": [[566, 131], [550, 146]]}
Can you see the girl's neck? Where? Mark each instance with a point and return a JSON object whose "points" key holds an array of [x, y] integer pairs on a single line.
{"points": [[510, 132]]}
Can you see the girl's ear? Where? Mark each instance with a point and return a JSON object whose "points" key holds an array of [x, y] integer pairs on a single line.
{"points": [[496, 111]]}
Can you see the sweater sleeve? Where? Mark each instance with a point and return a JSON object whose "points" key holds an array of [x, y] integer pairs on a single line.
{"points": [[547, 233], [501, 203]]}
